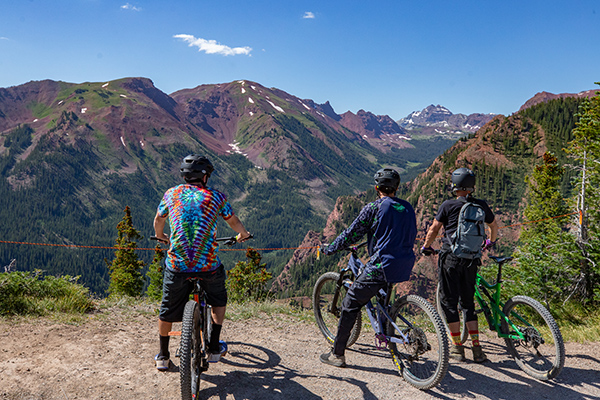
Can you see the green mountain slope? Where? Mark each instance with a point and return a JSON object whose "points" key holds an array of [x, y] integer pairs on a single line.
{"points": [[74, 155]]}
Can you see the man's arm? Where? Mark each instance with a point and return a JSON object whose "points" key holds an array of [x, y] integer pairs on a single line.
{"points": [[493, 230], [159, 227], [432, 233], [235, 224]]}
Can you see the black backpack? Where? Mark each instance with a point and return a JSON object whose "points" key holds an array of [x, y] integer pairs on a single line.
{"points": [[468, 239]]}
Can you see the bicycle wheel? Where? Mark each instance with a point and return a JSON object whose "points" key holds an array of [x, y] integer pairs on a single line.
{"points": [[464, 332], [326, 314], [423, 360], [542, 353], [190, 351]]}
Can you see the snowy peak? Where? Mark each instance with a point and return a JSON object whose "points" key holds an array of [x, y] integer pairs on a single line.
{"points": [[436, 120]]}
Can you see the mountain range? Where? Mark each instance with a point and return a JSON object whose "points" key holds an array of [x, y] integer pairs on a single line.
{"points": [[438, 120], [72, 156]]}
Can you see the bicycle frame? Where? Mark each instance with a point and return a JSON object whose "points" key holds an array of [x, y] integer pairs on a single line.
{"points": [[496, 315], [376, 312]]}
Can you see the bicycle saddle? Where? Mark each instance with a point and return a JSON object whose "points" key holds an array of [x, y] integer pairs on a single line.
{"points": [[501, 260]]}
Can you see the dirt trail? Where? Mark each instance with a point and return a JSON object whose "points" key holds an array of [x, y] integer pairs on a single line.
{"points": [[110, 357]]}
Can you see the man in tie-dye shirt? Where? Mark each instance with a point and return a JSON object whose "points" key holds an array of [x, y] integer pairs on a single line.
{"points": [[192, 210]]}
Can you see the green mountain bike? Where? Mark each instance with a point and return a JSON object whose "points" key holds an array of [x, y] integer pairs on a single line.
{"points": [[530, 332]]}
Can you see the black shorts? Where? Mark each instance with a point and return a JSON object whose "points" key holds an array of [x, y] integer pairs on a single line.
{"points": [[177, 289]]}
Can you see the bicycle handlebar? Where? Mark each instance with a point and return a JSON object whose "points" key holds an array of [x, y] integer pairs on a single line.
{"points": [[228, 240]]}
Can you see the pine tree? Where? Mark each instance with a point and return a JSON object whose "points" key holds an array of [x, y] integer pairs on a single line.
{"points": [[126, 269], [585, 150], [546, 268], [155, 275], [248, 279]]}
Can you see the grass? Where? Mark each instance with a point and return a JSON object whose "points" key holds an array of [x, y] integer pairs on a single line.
{"points": [[30, 295]]}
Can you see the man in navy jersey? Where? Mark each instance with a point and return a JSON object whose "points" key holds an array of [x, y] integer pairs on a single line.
{"points": [[391, 229]]}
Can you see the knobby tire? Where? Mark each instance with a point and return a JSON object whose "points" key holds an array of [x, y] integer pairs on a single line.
{"points": [[327, 321], [190, 351], [542, 354], [423, 361]]}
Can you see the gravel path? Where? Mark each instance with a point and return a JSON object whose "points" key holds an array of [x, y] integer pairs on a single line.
{"points": [[109, 356]]}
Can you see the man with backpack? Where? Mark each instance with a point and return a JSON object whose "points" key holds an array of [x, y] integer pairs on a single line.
{"points": [[463, 220], [391, 228]]}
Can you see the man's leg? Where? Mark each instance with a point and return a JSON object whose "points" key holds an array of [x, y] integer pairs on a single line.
{"points": [[361, 291]]}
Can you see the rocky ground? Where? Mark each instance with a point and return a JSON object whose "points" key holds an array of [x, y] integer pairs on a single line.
{"points": [[109, 355]]}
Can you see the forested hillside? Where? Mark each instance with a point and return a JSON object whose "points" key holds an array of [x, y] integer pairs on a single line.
{"points": [[73, 156]]}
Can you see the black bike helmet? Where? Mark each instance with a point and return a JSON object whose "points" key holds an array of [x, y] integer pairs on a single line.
{"points": [[194, 167], [463, 179], [387, 178]]}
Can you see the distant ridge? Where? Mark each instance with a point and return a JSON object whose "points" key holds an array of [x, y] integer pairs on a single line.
{"points": [[543, 97]]}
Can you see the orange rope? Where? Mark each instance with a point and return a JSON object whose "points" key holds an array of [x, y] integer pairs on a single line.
{"points": [[539, 220], [264, 249]]}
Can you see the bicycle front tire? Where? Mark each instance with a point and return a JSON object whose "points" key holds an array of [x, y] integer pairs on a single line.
{"points": [[190, 351], [327, 318], [423, 360], [542, 353]]}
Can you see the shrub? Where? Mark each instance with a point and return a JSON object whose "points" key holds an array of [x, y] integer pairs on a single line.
{"points": [[29, 293], [248, 279]]}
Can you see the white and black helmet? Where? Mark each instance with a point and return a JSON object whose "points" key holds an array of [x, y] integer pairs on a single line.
{"points": [[463, 179], [194, 168]]}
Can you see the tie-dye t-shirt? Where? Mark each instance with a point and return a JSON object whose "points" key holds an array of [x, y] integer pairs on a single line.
{"points": [[193, 213]]}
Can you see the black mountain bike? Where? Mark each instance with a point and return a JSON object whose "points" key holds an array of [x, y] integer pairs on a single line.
{"points": [[196, 326], [410, 329]]}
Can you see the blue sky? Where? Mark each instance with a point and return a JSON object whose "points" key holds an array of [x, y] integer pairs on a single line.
{"points": [[387, 57]]}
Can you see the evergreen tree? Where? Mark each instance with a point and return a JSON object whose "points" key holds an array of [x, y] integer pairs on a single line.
{"points": [[126, 269], [585, 150], [155, 274], [546, 268], [248, 279]]}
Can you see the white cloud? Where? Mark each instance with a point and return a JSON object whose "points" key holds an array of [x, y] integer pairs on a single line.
{"points": [[130, 7], [212, 47], [3, 38], [309, 15]]}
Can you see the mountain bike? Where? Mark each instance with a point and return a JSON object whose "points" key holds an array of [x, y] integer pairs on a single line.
{"points": [[196, 326], [531, 334], [410, 329]]}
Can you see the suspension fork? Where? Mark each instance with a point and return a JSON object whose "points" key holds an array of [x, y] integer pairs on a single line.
{"points": [[336, 294]]}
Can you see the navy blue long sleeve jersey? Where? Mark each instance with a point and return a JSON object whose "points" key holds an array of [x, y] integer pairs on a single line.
{"points": [[391, 229]]}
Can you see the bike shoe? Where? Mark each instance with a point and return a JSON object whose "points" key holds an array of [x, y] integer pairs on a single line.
{"points": [[213, 357], [333, 359], [162, 363], [457, 352], [478, 354]]}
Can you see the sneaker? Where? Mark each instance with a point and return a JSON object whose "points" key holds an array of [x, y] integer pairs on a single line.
{"points": [[162, 363], [333, 359], [478, 354], [216, 356], [457, 352]]}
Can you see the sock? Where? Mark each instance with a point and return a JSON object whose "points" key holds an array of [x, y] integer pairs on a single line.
{"points": [[164, 346], [455, 338], [474, 337], [215, 335]]}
